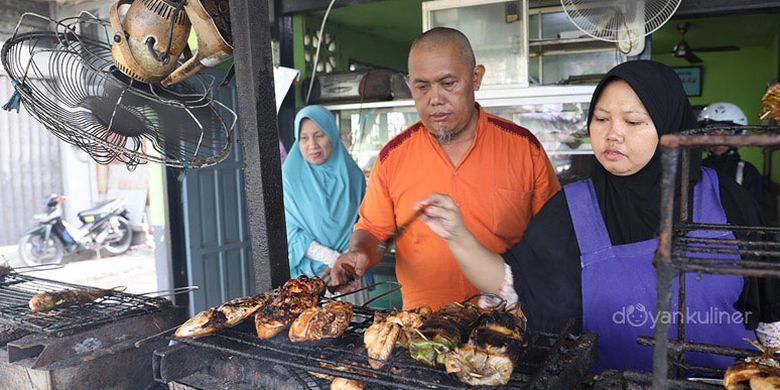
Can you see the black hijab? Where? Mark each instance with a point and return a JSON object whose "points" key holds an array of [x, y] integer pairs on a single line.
{"points": [[631, 204]]}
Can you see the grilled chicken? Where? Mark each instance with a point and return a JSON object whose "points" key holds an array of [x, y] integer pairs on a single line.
{"points": [[752, 375], [380, 340], [224, 316], [494, 345], [337, 383], [388, 329], [409, 321], [442, 332], [345, 384], [49, 300], [330, 320], [293, 298]]}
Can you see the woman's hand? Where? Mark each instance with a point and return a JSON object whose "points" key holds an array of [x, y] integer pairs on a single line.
{"points": [[443, 216]]}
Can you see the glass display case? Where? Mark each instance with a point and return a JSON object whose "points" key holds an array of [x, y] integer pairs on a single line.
{"points": [[556, 115]]}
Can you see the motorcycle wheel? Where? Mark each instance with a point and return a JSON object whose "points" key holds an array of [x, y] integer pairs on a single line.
{"points": [[123, 237], [34, 251]]}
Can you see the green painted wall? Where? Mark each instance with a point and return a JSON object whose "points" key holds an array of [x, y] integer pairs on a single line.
{"points": [[372, 49], [352, 44], [774, 63], [738, 77]]}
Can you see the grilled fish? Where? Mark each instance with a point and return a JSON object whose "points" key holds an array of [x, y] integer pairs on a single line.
{"points": [[46, 301], [293, 298], [442, 332], [315, 323], [494, 344], [224, 316]]}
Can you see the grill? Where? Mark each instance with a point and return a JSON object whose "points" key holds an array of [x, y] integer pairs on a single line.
{"points": [[74, 347], [678, 254], [549, 361], [16, 290]]}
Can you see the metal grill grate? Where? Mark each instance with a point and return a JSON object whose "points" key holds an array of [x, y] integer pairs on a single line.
{"points": [[678, 254], [545, 357], [16, 290]]}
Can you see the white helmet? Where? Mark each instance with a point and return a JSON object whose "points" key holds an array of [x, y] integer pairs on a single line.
{"points": [[722, 113]]}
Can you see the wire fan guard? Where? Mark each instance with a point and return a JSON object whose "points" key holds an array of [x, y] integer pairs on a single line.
{"points": [[68, 82], [610, 20]]}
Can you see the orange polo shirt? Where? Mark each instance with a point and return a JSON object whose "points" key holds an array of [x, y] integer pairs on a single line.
{"points": [[502, 180]]}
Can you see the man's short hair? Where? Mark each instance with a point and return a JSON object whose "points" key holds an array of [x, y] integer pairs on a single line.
{"points": [[440, 36]]}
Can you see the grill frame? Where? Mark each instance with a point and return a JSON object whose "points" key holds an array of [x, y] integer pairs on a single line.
{"points": [[16, 290], [676, 254]]}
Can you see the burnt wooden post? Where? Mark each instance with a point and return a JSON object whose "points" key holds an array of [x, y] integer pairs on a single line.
{"points": [[259, 141]]}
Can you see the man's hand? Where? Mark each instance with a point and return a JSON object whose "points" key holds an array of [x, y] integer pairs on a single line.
{"points": [[443, 216], [348, 269]]}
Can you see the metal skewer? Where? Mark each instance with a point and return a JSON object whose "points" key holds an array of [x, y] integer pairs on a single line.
{"points": [[145, 340], [172, 291]]}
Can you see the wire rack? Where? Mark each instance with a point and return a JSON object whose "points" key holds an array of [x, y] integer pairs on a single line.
{"points": [[16, 290], [66, 79], [677, 254], [546, 356]]}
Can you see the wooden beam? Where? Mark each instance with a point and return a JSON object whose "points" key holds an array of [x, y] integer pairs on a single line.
{"points": [[259, 141], [704, 8]]}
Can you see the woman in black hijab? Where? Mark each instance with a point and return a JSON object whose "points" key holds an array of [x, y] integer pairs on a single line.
{"points": [[588, 253]]}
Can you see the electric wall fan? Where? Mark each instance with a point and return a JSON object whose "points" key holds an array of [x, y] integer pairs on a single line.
{"points": [[683, 50], [66, 78], [626, 22], [151, 35]]}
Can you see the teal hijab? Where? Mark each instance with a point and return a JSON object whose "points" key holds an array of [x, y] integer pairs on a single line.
{"points": [[320, 201]]}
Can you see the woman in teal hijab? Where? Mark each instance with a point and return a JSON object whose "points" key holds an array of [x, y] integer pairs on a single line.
{"points": [[323, 188]]}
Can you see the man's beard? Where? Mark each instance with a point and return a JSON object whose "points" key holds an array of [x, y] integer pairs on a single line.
{"points": [[445, 136]]}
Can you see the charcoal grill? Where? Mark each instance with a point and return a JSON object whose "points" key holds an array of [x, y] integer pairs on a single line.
{"points": [[75, 347], [678, 254], [16, 290], [549, 361]]}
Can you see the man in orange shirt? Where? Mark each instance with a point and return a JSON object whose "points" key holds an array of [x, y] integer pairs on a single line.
{"points": [[495, 170]]}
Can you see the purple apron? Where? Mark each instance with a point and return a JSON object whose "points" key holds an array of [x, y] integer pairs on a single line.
{"points": [[618, 286]]}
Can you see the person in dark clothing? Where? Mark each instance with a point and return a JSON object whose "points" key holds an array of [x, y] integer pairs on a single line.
{"points": [[726, 159], [588, 253]]}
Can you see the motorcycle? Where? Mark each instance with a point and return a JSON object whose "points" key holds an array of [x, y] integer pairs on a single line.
{"points": [[104, 227]]}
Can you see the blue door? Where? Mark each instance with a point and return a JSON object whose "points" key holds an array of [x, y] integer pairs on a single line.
{"points": [[216, 230]]}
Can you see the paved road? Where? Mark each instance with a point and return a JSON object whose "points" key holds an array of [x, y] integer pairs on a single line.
{"points": [[133, 269]]}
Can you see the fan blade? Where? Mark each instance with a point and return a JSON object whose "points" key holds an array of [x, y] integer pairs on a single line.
{"points": [[692, 58], [717, 48]]}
